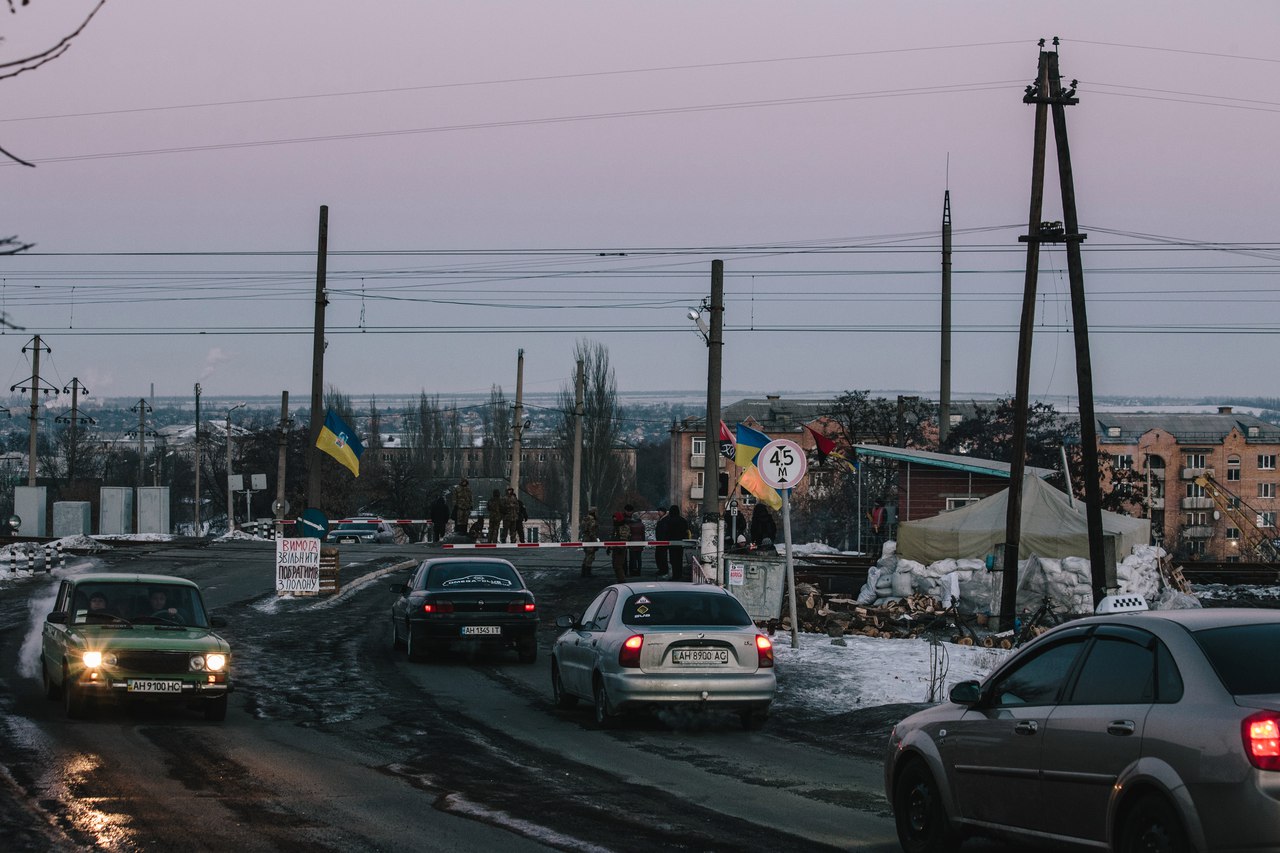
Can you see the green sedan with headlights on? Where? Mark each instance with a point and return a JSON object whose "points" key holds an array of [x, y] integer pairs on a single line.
{"points": [[126, 637]]}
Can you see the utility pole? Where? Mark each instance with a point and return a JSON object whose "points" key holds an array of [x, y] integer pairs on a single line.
{"points": [[141, 407], [36, 388], [317, 364], [1047, 94], [944, 383], [715, 352], [74, 420], [196, 517], [517, 428], [231, 510], [575, 503], [281, 460]]}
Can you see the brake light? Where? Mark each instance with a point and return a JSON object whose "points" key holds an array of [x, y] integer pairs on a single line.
{"points": [[629, 654], [521, 607], [1261, 733], [437, 607], [764, 651]]}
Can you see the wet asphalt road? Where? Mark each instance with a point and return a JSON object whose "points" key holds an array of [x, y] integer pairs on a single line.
{"points": [[334, 742]]}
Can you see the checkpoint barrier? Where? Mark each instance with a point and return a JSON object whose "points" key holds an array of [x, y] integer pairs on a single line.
{"points": [[52, 552]]}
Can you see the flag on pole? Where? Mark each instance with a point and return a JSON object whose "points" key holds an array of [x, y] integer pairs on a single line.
{"points": [[751, 480], [826, 447], [727, 448], [750, 441], [341, 442]]}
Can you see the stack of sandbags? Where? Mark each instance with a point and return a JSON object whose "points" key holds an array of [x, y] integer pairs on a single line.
{"points": [[1139, 573]]}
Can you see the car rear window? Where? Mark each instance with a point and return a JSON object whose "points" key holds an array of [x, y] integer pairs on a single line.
{"points": [[684, 608], [448, 576], [1246, 657]]}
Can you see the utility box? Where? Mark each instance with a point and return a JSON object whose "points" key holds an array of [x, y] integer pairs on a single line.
{"points": [[758, 581], [29, 505], [72, 518], [115, 510], [153, 509]]}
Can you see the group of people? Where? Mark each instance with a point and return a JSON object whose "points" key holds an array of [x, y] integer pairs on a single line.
{"points": [[626, 560], [157, 605], [506, 515]]}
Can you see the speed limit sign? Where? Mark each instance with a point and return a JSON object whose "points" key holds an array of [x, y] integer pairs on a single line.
{"points": [[782, 463]]}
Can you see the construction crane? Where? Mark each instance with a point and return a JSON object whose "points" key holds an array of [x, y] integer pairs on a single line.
{"points": [[1243, 516]]}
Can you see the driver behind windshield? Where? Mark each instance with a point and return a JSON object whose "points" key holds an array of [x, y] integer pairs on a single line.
{"points": [[160, 606]]}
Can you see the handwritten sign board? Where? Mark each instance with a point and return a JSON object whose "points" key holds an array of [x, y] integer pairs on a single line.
{"points": [[298, 566]]}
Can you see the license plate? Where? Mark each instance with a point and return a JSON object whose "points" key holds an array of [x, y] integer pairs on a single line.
{"points": [[481, 630], [700, 656], [137, 685]]}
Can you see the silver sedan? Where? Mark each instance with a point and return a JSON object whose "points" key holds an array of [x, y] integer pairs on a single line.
{"points": [[1143, 731], [654, 645]]}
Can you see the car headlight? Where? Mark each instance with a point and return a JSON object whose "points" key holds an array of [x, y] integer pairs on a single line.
{"points": [[215, 662], [93, 660], [197, 663]]}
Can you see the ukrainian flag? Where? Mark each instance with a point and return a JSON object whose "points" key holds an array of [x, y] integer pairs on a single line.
{"points": [[749, 443], [341, 442]]}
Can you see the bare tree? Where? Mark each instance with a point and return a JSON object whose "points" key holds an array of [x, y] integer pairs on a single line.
{"points": [[604, 475]]}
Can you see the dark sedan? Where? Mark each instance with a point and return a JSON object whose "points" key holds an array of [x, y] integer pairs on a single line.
{"points": [[1131, 732], [479, 601]]}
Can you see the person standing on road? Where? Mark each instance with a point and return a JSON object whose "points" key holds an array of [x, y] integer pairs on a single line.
{"points": [[673, 528], [495, 515], [462, 504], [512, 510], [621, 533], [636, 533], [439, 516], [588, 531]]}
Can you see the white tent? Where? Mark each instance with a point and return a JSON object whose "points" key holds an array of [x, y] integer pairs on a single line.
{"points": [[1051, 527]]}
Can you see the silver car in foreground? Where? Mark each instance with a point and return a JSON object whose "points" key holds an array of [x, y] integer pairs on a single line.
{"points": [[653, 645], [1152, 731]]}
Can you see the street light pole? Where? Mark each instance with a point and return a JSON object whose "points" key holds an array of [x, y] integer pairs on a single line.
{"points": [[231, 512]]}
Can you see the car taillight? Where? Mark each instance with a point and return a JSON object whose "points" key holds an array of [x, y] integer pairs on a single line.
{"points": [[629, 654], [764, 651], [521, 607], [437, 607], [1261, 733]]}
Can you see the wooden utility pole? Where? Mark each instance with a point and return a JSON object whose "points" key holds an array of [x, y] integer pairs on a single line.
{"points": [[36, 389], [74, 420], [944, 381], [1047, 94], [281, 460], [141, 407], [517, 428], [715, 354], [196, 529], [575, 503], [317, 363]]}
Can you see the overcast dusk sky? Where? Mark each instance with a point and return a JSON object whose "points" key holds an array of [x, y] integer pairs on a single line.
{"points": [[507, 175]]}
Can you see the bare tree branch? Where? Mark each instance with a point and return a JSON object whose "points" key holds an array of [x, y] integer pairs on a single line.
{"points": [[11, 245], [50, 58], [60, 45]]}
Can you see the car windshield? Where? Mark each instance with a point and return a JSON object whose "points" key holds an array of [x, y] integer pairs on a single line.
{"points": [[448, 576], [107, 603], [684, 608], [1246, 657]]}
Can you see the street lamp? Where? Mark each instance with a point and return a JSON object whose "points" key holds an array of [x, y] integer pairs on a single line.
{"points": [[231, 512]]}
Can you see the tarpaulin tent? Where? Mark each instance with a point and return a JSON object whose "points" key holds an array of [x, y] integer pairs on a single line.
{"points": [[1051, 527]]}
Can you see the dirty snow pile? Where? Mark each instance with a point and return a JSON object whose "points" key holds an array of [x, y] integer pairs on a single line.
{"points": [[972, 588]]}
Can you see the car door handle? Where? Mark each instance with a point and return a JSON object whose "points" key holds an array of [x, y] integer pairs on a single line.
{"points": [[1121, 727], [1026, 727]]}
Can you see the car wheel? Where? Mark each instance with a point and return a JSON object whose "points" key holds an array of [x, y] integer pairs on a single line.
{"points": [[528, 651], [1152, 826], [754, 718], [73, 697], [215, 710], [604, 716], [396, 642], [564, 699], [51, 690], [918, 812]]}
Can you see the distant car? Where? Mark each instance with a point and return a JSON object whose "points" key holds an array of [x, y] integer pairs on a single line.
{"points": [[364, 533], [654, 645], [473, 600], [134, 637], [1151, 731]]}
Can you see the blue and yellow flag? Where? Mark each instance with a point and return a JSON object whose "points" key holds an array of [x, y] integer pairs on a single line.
{"points": [[341, 442], [749, 478], [749, 443]]}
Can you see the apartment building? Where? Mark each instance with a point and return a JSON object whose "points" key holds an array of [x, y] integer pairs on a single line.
{"points": [[1210, 480]]}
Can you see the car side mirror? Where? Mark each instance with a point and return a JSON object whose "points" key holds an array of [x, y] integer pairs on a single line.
{"points": [[567, 622], [57, 617], [965, 693], [217, 622]]}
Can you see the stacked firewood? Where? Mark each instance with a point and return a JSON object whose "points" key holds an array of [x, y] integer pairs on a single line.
{"points": [[841, 615]]}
